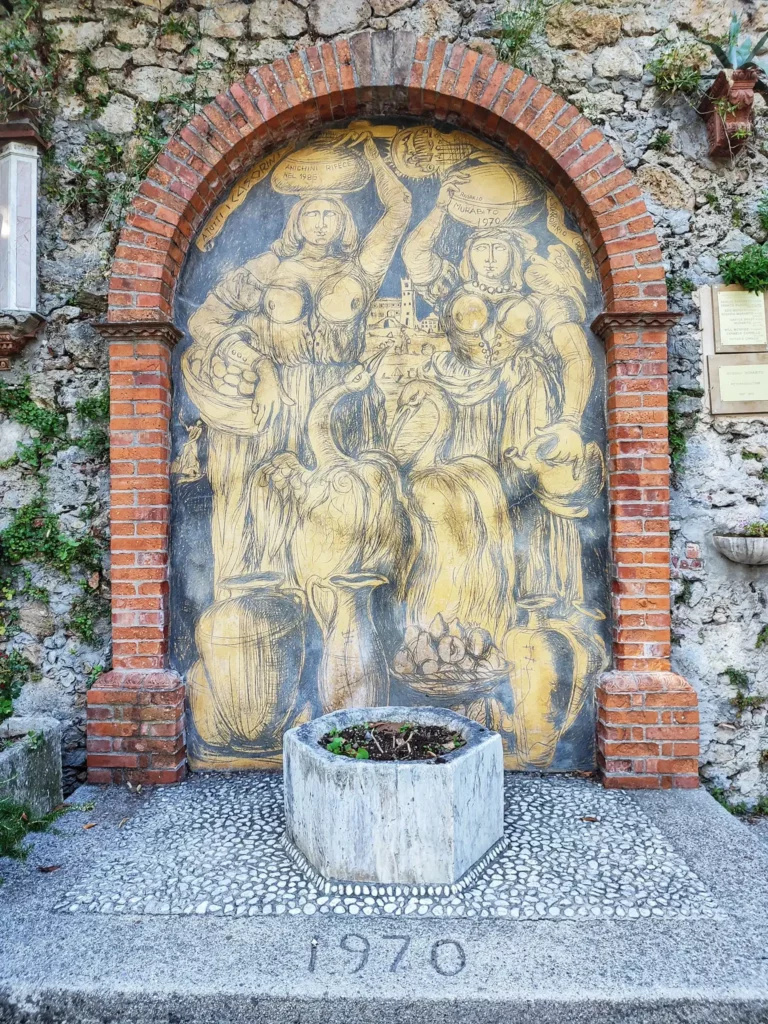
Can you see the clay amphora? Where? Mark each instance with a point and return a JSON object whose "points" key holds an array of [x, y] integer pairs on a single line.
{"points": [[541, 664], [353, 670], [252, 648]]}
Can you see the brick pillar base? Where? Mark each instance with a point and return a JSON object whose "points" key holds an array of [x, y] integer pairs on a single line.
{"points": [[647, 731], [136, 728]]}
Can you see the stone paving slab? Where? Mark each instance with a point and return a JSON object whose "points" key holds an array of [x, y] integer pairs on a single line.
{"points": [[84, 968], [214, 846]]}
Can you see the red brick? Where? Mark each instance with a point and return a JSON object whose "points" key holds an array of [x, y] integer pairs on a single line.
{"points": [[273, 105]]}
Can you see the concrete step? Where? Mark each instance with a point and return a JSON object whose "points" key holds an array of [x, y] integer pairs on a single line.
{"points": [[83, 968]]}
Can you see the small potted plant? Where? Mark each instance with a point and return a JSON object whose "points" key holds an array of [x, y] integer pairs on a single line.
{"points": [[727, 105], [747, 544]]}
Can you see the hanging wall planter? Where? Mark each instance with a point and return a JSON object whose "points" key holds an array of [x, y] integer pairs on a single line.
{"points": [[746, 550], [727, 110]]}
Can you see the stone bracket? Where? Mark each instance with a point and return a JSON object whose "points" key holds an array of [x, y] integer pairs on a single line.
{"points": [[16, 331]]}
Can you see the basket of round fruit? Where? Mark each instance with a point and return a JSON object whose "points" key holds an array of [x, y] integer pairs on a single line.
{"points": [[448, 658]]}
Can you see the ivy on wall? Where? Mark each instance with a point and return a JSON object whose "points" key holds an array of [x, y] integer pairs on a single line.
{"points": [[34, 537], [29, 63]]}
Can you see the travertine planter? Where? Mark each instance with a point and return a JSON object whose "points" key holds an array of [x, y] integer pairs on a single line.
{"points": [[747, 550], [408, 822], [30, 771]]}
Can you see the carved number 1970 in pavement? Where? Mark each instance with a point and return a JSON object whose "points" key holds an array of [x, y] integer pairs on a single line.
{"points": [[446, 956]]}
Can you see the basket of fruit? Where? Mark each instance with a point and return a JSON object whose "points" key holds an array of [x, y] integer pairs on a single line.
{"points": [[449, 661]]}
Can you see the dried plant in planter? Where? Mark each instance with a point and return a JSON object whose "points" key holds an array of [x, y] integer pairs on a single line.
{"points": [[726, 105], [393, 741], [747, 544]]}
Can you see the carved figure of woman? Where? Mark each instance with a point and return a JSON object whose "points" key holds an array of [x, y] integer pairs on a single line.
{"points": [[519, 370], [275, 334]]}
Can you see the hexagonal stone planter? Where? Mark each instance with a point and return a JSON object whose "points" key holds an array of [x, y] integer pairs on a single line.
{"points": [[407, 823]]}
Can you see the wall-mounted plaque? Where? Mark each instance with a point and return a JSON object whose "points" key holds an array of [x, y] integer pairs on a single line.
{"points": [[740, 319], [738, 383]]}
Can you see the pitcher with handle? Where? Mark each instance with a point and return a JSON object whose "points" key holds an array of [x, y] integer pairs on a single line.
{"points": [[353, 669]]}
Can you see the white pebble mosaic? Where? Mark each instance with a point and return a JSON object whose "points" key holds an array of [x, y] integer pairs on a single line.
{"points": [[214, 845]]}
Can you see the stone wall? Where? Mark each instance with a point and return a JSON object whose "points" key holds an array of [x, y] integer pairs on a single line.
{"points": [[133, 72]]}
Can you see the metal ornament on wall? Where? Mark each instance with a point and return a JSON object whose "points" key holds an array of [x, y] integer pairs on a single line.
{"points": [[388, 429]]}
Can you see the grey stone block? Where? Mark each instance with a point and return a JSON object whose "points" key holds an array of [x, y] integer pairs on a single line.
{"points": [[408, 822], [30, 771]]}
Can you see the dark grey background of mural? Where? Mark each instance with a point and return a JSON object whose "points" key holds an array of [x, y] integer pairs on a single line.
{"points": [[249, 231]]}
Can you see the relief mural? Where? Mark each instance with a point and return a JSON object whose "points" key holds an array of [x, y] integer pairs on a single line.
{"points": [[388, 436]]}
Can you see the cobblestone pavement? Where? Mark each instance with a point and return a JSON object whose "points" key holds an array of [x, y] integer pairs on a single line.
{"points": [[213, 845]]}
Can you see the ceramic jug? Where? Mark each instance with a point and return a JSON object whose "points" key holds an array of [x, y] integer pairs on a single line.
{"points": [[252, 647], [210, 727], [353, 669], [565, 488], [590, 655], [541, 668]]}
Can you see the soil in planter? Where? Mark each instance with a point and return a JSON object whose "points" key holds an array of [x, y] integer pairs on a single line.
{"points": [[393, 741]]}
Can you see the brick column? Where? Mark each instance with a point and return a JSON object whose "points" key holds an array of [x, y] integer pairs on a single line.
{"points": [[647, 733], [136, 711]]}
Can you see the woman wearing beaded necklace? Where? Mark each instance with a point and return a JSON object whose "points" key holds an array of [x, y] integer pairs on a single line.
{"points": [[519, 370]]}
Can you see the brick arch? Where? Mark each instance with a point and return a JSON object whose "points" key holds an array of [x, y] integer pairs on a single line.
{"points": [[646, 717], [376, 74]]}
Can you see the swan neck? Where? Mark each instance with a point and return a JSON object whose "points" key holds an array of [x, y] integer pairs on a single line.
{"points": [[433, 451], [320, 431]]}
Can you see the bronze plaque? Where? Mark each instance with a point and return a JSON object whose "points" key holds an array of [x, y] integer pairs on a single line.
{"points": [[740, 319], [738, 384], [388, 436]]}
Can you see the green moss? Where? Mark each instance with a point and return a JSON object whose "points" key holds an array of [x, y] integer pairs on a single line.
{"points": [[17, 404], [106, 177], [684, 597], [15, 671], [97, 174], [95, 410], [33, 535], [743, 701], [741, 809], [518, 22], [16, 823], [680, 283], [678, 69], [85, 614], [29, 62], [680, 424], [93, 105], [762, 637]]}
